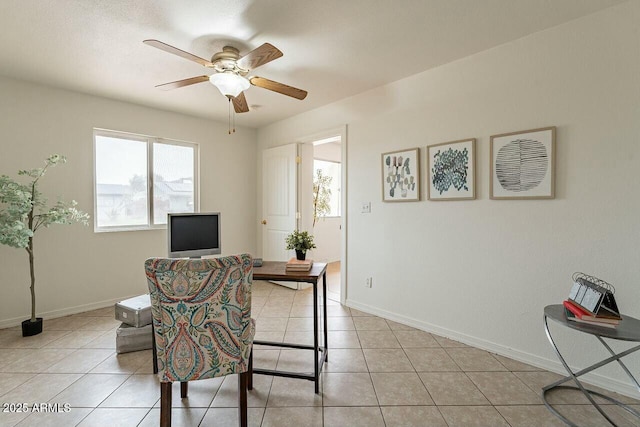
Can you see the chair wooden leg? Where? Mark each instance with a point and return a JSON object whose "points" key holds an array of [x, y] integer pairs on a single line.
{"points": [[250, 379], [165, 404], [155, 351], [184, 389], [242, 399]]}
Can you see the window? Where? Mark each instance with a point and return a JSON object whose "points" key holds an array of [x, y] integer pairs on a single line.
{"points": [[332, 170], [139, 179]]}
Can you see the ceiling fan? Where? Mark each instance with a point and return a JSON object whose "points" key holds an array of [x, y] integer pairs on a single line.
{"points": [[230, 71]]}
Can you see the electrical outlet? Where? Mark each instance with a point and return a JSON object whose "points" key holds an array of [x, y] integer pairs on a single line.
{"points": [[368, 282], [366, 207]]}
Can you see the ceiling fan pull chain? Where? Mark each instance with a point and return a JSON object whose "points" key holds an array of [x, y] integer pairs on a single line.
{"points": [[229, 115]]}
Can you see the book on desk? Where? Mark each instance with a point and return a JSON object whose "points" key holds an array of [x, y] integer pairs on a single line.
{"points": [[299, 265]]}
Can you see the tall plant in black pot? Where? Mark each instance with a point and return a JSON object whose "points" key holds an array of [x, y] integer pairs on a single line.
{"points": [[24, 210]]}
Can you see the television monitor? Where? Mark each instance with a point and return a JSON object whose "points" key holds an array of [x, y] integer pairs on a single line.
{"points": [[193, 235]]}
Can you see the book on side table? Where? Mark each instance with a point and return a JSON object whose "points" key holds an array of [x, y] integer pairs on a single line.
{"points": [[299, 265], [578, 314]]}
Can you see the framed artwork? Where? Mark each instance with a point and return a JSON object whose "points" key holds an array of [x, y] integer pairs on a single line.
{"points": [[401, 176], [452, 170], [523, 164]]}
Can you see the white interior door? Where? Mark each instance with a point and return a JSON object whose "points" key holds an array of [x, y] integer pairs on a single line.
{"points": [[279, 190]]}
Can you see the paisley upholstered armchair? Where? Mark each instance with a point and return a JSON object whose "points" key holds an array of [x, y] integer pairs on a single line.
{"points": [[202, 323]]}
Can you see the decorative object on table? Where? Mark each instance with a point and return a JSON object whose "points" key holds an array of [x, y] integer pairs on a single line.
{"points": [[295, 264], [577, 314], [401, 176], [591, 300], [301, 242], [522, 164], [23, 211], [451, 167], [321, 195]]}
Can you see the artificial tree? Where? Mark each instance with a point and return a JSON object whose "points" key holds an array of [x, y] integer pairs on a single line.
{"points": [[321, 195], [24, 210]]}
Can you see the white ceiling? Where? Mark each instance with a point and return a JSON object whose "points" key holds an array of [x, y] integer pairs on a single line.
{"points": [[332, 48]]}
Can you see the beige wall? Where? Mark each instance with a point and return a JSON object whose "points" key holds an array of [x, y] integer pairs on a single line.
{"points": [[482, 271], [76, 268]]}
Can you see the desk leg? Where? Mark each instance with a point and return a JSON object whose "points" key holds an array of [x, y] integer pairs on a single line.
{"points": [[316, 372], [324, 303]]}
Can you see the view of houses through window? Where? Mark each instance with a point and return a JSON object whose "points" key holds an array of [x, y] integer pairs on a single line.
{"points": [[124, 166]]}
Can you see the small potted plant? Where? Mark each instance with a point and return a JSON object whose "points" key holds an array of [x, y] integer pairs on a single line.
{"points": [[301, 242], [24, 210]]}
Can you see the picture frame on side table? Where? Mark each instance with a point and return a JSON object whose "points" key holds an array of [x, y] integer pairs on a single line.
{"points": [[523, 164], [401, 176], [452, 170]]}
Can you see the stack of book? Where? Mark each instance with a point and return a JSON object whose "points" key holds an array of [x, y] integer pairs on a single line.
{"points": [[299, 265], [577, 313]]}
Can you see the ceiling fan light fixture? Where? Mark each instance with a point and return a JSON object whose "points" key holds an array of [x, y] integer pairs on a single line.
{"points": [[229, 83]]}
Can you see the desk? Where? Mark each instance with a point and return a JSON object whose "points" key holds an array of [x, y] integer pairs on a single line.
{"points": [[271, 270], [627, 330]]}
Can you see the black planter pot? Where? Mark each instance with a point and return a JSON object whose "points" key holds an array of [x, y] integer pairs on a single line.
{"points": [[301, 255], [30, 328]]}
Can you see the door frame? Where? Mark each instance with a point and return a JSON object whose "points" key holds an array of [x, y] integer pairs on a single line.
{"points": [[341, 131]]}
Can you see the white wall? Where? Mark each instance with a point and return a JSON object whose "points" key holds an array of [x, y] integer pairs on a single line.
{"points": [[77, 269], [326, 236], [482, 271]]}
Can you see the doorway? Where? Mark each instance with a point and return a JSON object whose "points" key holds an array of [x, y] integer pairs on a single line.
{"points": [[288, 179], [327, 209]]}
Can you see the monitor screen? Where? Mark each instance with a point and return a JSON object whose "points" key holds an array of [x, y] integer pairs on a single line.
{"points": [[193, 234]]}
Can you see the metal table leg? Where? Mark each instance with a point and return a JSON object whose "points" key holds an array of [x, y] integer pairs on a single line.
{"points": [[588, 393]]}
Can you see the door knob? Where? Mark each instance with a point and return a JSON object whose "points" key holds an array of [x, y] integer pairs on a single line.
{"points": [[264, 222]]}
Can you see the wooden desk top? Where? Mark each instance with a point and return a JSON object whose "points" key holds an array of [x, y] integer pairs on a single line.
{"points": [[276, 270]]}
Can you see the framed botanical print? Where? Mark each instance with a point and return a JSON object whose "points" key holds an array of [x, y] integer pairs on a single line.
{"points": [[401, 176], [452, 170], [523, 164]]}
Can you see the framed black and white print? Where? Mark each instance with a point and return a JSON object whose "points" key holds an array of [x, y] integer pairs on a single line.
{"points": [[452, 170], [401, 176], [523, 164]]}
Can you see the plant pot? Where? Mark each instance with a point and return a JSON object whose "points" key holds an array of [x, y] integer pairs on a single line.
{"points": [[30, 328], [301, 255]]}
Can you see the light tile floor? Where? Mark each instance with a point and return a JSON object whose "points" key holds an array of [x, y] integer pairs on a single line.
{"points": [[379, 373]]}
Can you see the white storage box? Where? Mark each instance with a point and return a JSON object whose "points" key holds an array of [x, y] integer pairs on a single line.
{"points": [[130, 339], [135, 311]]}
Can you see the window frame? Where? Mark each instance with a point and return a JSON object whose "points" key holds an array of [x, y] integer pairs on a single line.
{"points": [[150, 141]]}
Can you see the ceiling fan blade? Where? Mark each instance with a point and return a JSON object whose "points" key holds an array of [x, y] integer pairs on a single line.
{"points": [[240, 103], [279, 87], [174, 50], [183, 83], [259, 56]]}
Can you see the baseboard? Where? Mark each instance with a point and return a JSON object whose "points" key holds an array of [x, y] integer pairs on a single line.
{"points": [[524, 357], [16, 321]]}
